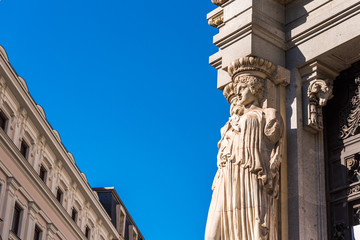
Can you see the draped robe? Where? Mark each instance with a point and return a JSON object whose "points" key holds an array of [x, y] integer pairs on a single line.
{"points": [[244, 204]]}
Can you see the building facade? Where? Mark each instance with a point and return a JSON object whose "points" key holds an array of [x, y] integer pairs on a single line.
{"points": [[43, 194], [314, 45]]}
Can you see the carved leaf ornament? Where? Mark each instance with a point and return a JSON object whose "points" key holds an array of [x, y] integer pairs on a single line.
{"points": [[353, 121]]}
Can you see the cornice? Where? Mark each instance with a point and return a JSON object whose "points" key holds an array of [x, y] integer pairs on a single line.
{"points": [[303, 33]]}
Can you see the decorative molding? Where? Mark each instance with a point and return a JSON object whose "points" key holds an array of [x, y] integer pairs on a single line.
{"points": [[23, 83], [351, 124], [353, 167], [219, 2], [258, 67], [3, 53], [318, 93], [217, 19], [317, 81]]}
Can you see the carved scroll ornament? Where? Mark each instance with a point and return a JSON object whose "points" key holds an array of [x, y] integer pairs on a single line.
{"points": [[318, 93], [353, 121]]}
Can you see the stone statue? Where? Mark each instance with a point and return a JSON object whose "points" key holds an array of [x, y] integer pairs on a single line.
{"points": [[244, 204]]}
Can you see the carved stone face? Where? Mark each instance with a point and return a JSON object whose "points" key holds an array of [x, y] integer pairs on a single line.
{"points": [[245, 94]]}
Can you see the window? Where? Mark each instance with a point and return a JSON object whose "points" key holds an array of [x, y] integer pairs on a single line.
{"points": [[133, 233], [43, 173], [87, 232], [37, 233], [59, 195], [16, 219], [3, 120], [74, 214], [122, 221], [24, 148]]}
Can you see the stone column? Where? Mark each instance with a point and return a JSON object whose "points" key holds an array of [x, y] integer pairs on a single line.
{"points": [[9, 203]]}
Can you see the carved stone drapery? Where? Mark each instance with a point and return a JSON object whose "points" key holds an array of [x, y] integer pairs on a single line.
{"points": [[352, 122], [219, 2], [318, 92], [249, 158]]}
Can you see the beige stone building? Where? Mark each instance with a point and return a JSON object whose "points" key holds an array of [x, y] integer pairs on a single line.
{"points": [[43, 194], [315, 47]]}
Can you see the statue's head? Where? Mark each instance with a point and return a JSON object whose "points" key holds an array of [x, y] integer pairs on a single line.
{"points": [[248, 75], [255, 86]]}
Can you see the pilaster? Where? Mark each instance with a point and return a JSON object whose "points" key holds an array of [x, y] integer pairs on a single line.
{"points": [[18, 126], [38, 152], [9, 202], [33, 210], [51, 231]]}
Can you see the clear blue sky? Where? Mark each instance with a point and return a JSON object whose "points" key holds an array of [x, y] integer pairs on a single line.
{"points": [[128, 86]]}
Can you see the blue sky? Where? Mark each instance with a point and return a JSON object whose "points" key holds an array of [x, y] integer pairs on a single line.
{"points": [[128, 86]]}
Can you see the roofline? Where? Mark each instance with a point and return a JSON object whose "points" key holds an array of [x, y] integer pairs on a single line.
{"points": [[117, 197]]}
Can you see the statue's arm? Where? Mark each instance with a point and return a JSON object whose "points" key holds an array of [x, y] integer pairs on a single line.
{"points": [[274, 126], [274, 130]]}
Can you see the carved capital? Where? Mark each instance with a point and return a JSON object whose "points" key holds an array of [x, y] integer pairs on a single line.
{"points": [[217, 19], [219, 2], [251, 65]]}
